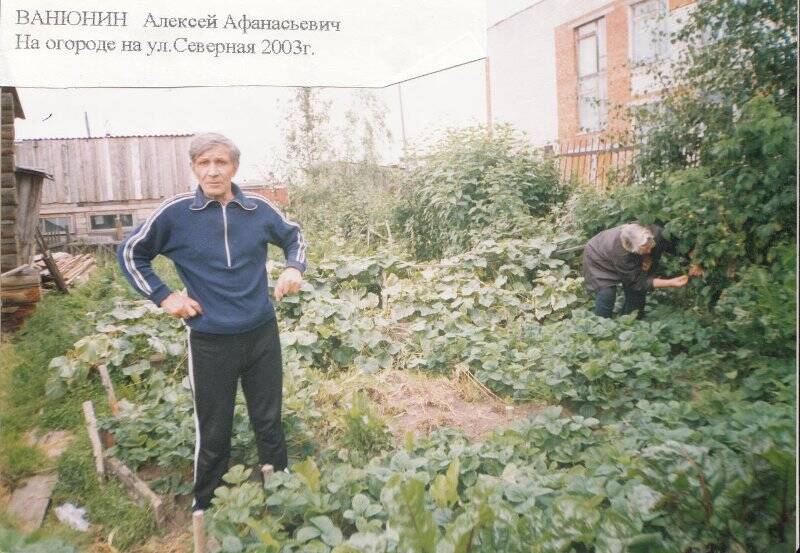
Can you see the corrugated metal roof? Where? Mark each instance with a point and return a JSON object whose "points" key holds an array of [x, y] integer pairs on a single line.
{"points": [[107, 136]]}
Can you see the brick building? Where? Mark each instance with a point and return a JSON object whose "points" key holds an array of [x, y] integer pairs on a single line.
{"points": [[563, 70]]}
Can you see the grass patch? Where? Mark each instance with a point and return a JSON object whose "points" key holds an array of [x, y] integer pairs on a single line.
{"points": [[58, 322], [108, 505]]}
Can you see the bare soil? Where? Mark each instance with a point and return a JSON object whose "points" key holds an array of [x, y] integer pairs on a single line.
{"points": [[421, 404]]}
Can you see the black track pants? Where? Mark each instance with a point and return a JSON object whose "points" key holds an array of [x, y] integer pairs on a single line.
{"points": [[216, 362]]}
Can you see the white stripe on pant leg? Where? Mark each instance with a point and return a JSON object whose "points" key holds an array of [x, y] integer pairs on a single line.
{"points": [[194, 404]]}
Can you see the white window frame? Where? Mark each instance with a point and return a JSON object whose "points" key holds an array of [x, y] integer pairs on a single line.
{"points": [[70, 223], [663, 51], [601, 95], [120, 213]]}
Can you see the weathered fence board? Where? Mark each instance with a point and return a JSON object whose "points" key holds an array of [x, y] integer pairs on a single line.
{"points": [[592, 160], [110, 168]]}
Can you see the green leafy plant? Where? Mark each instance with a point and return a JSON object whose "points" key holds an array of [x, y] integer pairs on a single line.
{"points": [[473, 182]]}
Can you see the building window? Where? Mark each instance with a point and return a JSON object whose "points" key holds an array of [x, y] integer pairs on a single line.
{"points": [[55, 225], [592, 96], [649, 31], [105, 222]]}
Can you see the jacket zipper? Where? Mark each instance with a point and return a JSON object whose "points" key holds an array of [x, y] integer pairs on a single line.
{"points": [[225, 228]]}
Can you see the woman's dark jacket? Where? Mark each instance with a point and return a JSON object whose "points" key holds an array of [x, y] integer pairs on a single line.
{"points": [[606, 263]]}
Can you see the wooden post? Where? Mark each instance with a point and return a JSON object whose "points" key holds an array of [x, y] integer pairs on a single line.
{"points": [[50, 262], [138, 487], [199, 532], [105, 378], [94, 437]]}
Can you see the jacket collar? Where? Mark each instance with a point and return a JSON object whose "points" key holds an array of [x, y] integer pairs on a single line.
{"points": [[201, 201]]}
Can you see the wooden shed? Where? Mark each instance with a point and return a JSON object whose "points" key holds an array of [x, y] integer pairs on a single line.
{"points": [[29, 196], [10, 109], [106, 186]]}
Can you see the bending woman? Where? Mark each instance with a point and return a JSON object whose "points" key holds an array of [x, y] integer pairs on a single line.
{"points": [[628, 255]]}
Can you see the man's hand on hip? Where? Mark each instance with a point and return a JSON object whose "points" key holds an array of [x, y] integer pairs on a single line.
{"points": [[288, 283], [180, 306]]}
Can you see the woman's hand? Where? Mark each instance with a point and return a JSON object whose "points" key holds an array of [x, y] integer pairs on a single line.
{"points": [[680, 281], [677, 282]]}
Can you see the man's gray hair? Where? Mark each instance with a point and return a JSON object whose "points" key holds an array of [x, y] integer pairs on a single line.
{"points": [[204, 142], [634, 236]]}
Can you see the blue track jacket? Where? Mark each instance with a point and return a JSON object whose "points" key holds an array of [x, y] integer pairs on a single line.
{"points": [[220, 253]]}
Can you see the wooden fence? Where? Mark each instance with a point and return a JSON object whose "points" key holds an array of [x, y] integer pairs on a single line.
{"points": [[591, 161], [112, 168]]}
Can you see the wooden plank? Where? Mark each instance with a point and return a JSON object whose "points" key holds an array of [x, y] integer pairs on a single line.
{"points": [[97, 171], [81, 183], [9, 212], [107, 188], [149, 175], [50, 263], [94, 437], [8, 230], [186, 178], [30, 195], [59, 189], [7, 101], [23, 271], [29, 502], [135, 168], [199, 532], [20, 296], [9, 245], [139, 489], [8, 196], [8, 261], [165, 182], [80, 272], [121, 166], [8, 181]]}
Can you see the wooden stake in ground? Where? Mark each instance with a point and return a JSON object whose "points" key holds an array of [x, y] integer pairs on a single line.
{"points": [[267, 471], [199, 532], [94, 437], [138, 487], [105, 378]]}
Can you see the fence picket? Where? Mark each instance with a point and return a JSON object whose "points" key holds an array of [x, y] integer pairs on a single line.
{"points": [[591, 159]]}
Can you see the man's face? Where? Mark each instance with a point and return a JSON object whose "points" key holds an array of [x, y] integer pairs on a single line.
{"points": [[214, 171]]}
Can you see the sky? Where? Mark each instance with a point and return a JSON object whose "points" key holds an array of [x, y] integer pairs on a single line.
{"points": [[410, 42], [251, 116]]}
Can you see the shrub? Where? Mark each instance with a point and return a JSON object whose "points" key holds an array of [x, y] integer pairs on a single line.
{"points": [[473, 181]]}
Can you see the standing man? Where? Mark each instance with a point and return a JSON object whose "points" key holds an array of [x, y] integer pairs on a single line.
{"points": [[627, 255], [217, 238]]}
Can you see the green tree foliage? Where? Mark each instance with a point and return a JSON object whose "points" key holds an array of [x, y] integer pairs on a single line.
{"points": [[730, 53], [340, 191], [351, 202], [307, 131], [718, 165], [472, 181], [734, 206]]}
